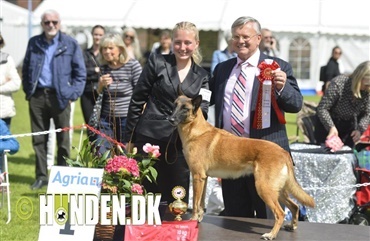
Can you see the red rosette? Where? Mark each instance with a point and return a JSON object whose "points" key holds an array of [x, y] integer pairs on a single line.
{"points": [[266, 69]]}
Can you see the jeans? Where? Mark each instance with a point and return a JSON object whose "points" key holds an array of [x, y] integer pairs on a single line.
{"points": [[113, 128]]}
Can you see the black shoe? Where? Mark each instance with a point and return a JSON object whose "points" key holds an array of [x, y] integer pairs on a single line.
{"points": [[38, 184]]}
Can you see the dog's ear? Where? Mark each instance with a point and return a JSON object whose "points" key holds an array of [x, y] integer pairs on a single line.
{"points": [[196, 101], [179, 90]]}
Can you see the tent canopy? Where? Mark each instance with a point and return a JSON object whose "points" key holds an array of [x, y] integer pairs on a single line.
{"points": [[313, 16]]}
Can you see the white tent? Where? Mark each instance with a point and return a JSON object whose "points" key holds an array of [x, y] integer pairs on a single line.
{"points": [[14, 29], [324, 23], [313, 16]]}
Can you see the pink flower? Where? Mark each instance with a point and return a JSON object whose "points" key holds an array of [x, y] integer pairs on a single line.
{"points": [[152, 150], [137, 188], [119, 163]]}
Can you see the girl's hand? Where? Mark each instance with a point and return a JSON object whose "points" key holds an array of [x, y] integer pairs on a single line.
{"points": [[333, 132], [356, 136]]}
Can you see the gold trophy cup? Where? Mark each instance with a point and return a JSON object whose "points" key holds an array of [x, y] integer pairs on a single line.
{"points": [[178, 207]]}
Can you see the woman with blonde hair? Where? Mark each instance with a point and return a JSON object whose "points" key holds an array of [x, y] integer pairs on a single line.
{"points": [[344, 110], [156, 90], [131, 42], [119, 75]]}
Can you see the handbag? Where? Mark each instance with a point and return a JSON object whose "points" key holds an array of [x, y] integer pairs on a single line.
{"points": [[95, 116]]}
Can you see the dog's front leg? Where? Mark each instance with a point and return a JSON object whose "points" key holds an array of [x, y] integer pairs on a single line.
{"points": [[198, 189]]}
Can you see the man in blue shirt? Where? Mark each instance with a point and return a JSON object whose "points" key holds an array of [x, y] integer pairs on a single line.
{"points": [[54, 75]]}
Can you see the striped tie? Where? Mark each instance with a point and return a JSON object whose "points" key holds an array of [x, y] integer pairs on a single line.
{"points": [[237, 109]]}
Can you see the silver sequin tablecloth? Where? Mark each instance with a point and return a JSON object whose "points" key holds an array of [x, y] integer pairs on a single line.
{"points": [[329, 178]]}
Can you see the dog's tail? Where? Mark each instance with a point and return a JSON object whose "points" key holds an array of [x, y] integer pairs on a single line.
{"points": [[297, 191]]}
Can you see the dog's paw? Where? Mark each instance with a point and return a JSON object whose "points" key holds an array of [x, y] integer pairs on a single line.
{"points": [[290, 227], [267, 236]]}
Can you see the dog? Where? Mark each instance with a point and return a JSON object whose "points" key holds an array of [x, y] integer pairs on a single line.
{"points": [[210, 151]]}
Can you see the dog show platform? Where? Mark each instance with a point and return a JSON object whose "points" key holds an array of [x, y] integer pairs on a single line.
{"points": [[216, 228]]}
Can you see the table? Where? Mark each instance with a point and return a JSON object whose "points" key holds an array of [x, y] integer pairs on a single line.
{"points": [[329, 178], [215, 228]]}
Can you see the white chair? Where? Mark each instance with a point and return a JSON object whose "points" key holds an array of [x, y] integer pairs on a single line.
{"points": [[5, 190]]}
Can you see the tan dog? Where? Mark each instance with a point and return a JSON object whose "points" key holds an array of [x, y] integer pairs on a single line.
{"points": [[214, 152]]}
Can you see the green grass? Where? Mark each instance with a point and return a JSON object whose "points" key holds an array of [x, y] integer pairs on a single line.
{"points": [[22, 172]]}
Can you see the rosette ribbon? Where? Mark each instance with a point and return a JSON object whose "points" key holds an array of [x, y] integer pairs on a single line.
{"points": [[262, 115]]}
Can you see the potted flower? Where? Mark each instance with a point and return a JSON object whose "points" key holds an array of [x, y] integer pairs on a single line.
{"points": [[89, 156], [123, 172]]}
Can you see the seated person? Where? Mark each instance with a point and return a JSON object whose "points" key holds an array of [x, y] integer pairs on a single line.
{"points": [[344, 110], [10, 144]]}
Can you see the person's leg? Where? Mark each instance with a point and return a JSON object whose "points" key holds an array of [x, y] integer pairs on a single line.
{"points": [[7, 122], [237, 198], [61, 119], [87, 101], [106, 128], [120, 129], [40, 121]]}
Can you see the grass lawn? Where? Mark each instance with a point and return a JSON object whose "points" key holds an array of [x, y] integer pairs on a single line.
{"points": [[22, 173]]}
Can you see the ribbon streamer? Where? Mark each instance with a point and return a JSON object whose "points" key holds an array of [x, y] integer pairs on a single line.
{"points": [[265, 69]]}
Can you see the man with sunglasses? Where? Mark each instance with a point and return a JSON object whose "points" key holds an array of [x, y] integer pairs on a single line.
{"points": [[53, 76]]}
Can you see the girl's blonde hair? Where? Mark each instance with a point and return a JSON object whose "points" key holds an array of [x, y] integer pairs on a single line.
{"points": [[362, 71], [115, 39], [197, 57]]}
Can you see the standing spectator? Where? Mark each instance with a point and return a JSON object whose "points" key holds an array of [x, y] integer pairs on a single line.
{"points": [[164, 43], [240, 195], [344, 110], [132, 44], [10, 82], [152, 104], [332, 67], [164, 46], [222, 55], [268, 44], [120, 74], [91, 57], [54, 75]]}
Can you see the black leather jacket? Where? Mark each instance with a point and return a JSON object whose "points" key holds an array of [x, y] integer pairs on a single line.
{"points": [[156, 90]]}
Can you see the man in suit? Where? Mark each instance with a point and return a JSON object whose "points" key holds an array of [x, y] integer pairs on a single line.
{"points": [[240, 196]]}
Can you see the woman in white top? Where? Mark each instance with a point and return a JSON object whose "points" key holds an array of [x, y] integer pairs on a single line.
{"points": [[10, 82]]}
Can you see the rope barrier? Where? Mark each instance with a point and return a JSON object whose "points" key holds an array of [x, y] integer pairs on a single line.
{"points": [[92, 129]]}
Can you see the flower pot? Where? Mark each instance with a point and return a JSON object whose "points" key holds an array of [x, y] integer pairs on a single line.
{"points": [[104, 232], [119, 231]]}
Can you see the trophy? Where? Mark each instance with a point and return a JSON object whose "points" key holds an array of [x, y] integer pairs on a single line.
{"points": [[178, 207]]}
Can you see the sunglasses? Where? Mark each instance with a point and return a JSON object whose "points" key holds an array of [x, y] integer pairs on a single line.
{"points": [[48, 22], [129, 36]]}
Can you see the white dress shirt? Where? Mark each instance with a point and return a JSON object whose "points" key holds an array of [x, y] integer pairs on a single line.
{"points": [[249, 67]]}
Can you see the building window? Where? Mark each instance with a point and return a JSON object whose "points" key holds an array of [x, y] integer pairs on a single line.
{"points": [[299, 58]]}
